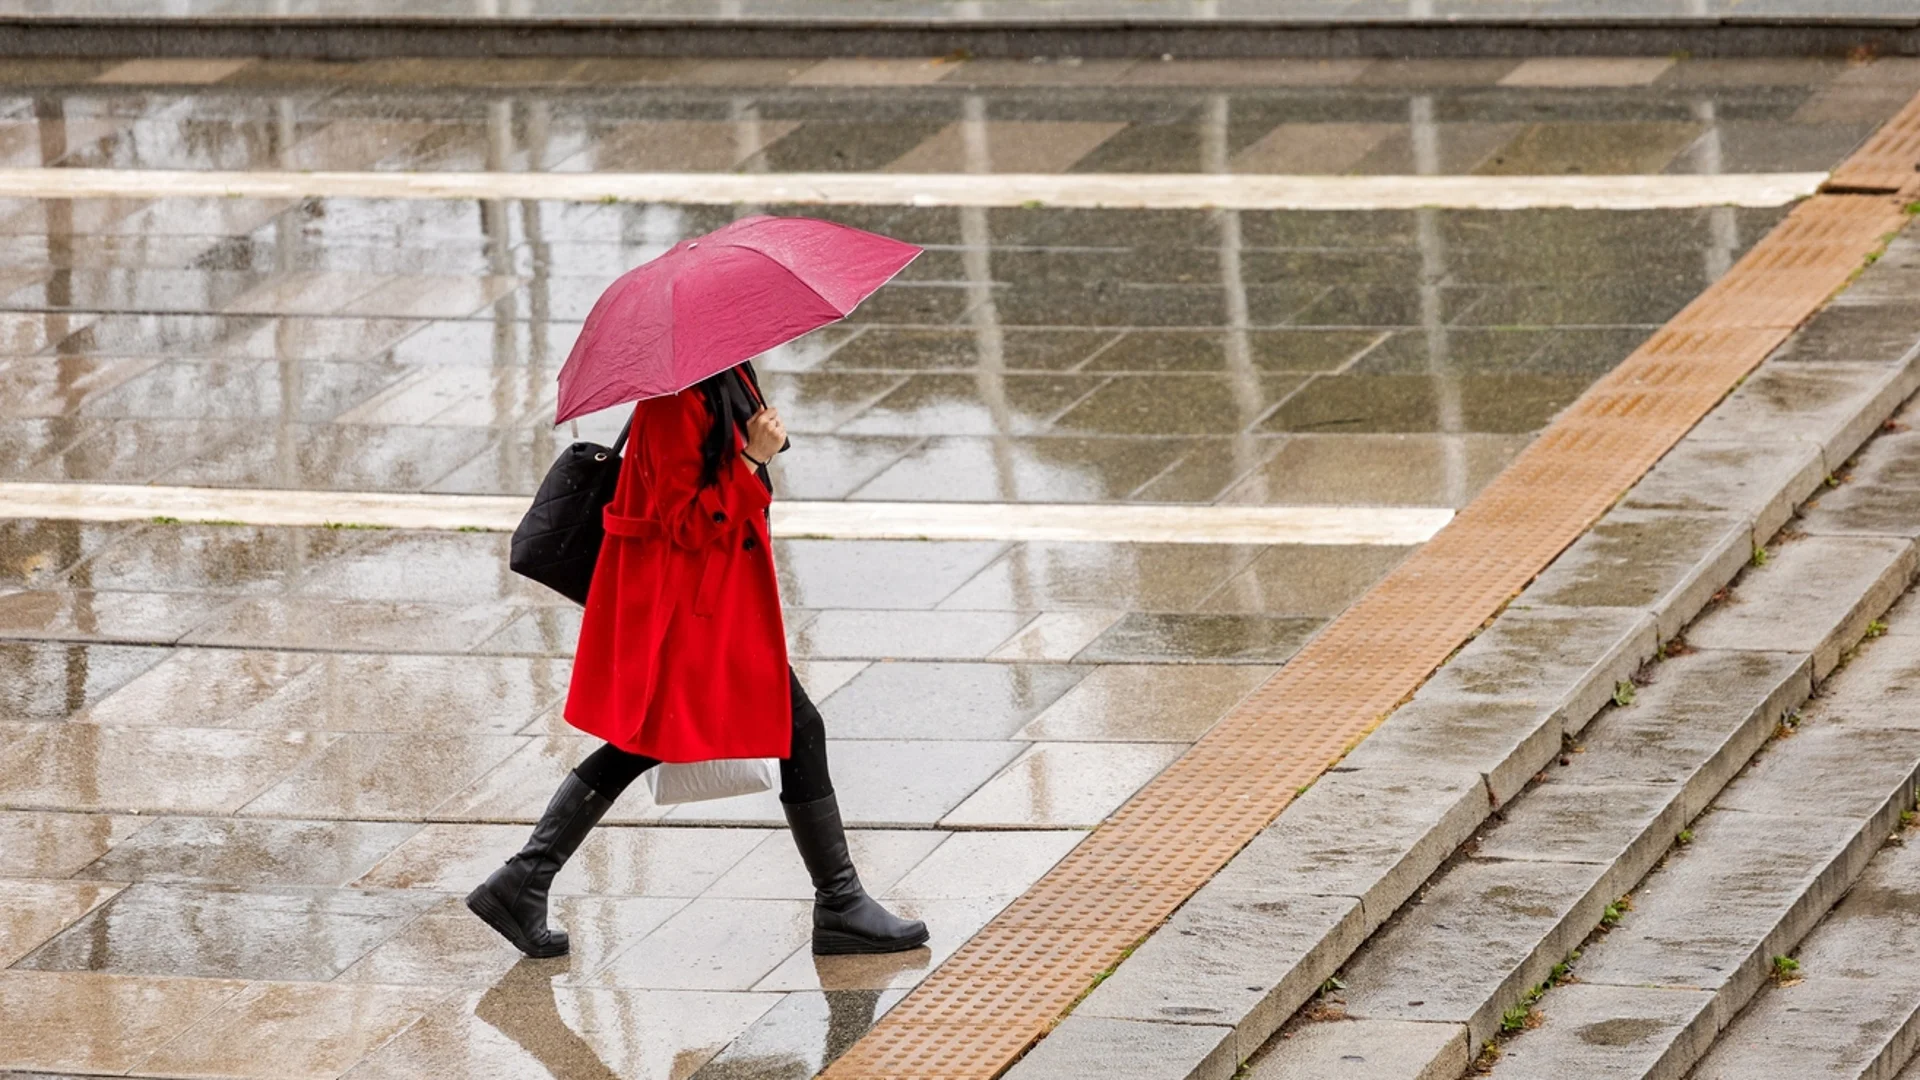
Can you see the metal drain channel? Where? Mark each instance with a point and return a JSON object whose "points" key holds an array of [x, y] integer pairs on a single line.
{"points": [[1005, 988]]}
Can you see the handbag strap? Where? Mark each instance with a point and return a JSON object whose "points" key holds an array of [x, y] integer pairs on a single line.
{"points": [[620, 443]]}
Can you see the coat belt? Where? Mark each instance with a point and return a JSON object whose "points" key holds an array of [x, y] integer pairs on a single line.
{"points": [[621, 525]]}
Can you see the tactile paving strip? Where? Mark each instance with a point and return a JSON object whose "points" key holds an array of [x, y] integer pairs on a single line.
{"points": [[979, 1011]]}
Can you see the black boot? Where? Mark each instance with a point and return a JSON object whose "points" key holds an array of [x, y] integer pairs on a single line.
{"points": [[514, 899], [845, 918]]}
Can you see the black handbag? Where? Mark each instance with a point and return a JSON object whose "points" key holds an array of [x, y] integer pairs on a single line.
{"points": [[559, 540]]}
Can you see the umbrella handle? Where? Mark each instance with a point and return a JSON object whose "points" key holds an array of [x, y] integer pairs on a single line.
{"points": [[621, 442]]}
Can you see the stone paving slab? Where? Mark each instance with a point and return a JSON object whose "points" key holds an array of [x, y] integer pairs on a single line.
{"points": [[1664, 561], [1834, 406], [1231, 954], [1814, 595], [1695, 723], [1742, 892], [1479, 936], [1821, 1026], [1366, 1050], [1612, 1031]]}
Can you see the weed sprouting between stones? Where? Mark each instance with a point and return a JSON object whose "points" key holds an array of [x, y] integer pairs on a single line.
{"points": [[1623, 693], [1684, 838], [1876, 628], [1759, 557], [1786, 970]]}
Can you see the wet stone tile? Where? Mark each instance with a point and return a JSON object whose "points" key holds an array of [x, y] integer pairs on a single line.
{"points": [[1024, 470], [52, 680], [1176, 405], [186, 558], [821, 401], [448, 946], [541, 631], [528, 1027], [1141, 637], [220, 932], [244, 336], [257, 390], [950, 923], [882, 783], [37, 844], [1056, 576], [945, 701], [903, 635], [982, 404], [302, 622], [85, 615], [335, 458], [65, 1022], [876, 573], [166, 770], [1591, 148], [773, 870], [1377, 470], [132, 451], [801, 1035], [885, 348], [1209, 468], [712, 944], [25, 443], [1302, 579], [1145, 703], [623, 861], [371, 776], [431, 567], [405, 694], [197, 688], [1055, 636], [33, 911], [46, 386], [224, 851], [281, 1030], [1498, 404], [35, 553], [834, 466], [1063, 784]]}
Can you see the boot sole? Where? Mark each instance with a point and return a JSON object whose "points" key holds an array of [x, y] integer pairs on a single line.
{"points": [[482, 903], [835, 943]]}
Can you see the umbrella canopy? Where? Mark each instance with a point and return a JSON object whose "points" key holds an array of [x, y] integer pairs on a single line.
{"points": [[712, 302]]}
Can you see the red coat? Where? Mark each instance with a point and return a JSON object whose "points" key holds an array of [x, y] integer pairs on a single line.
{"points": [[682, 654]]}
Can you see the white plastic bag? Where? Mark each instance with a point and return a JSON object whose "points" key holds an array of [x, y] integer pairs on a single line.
{"points": [[702, 780]]}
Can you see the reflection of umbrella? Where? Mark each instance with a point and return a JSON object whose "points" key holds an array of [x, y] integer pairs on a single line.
{"points": [[708, 304]]}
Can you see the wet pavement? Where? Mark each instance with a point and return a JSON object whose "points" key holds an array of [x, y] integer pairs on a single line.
{"points": [[246, 772]]}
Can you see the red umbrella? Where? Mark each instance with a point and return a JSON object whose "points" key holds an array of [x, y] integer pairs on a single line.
{"points": [[710, 303]]}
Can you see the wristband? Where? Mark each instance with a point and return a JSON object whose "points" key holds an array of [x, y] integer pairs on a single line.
{"points": [[757, 463]]}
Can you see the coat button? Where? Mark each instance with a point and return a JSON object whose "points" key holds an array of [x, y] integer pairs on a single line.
{"points": [[751, 543], [719, 515]]}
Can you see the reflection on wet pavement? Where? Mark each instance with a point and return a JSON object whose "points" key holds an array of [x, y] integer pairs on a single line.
{"points": [[246, 773]]}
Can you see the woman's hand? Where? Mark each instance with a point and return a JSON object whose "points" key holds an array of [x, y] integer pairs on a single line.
{"points": [[765, 435]]}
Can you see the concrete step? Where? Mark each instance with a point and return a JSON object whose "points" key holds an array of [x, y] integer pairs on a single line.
{"points": [[1492, 926], [1767, 861], [1217, 983]]}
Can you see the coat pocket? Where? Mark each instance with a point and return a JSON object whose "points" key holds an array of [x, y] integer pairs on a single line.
{"points": [[713, 571]]}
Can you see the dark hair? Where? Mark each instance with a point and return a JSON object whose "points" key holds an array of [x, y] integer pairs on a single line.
{"points": [[717, 446]]}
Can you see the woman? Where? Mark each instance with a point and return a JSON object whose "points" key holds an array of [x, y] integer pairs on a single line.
{"points": [[683, 657]]}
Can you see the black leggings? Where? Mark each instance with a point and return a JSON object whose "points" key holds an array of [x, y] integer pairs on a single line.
{"points": [[803, 773]]}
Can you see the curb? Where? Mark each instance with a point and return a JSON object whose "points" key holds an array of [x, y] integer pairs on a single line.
{"points": [[349, 38]]}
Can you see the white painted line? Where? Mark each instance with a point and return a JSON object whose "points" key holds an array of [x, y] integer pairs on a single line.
{"points": [[1112, 190], [1101, 523]]}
